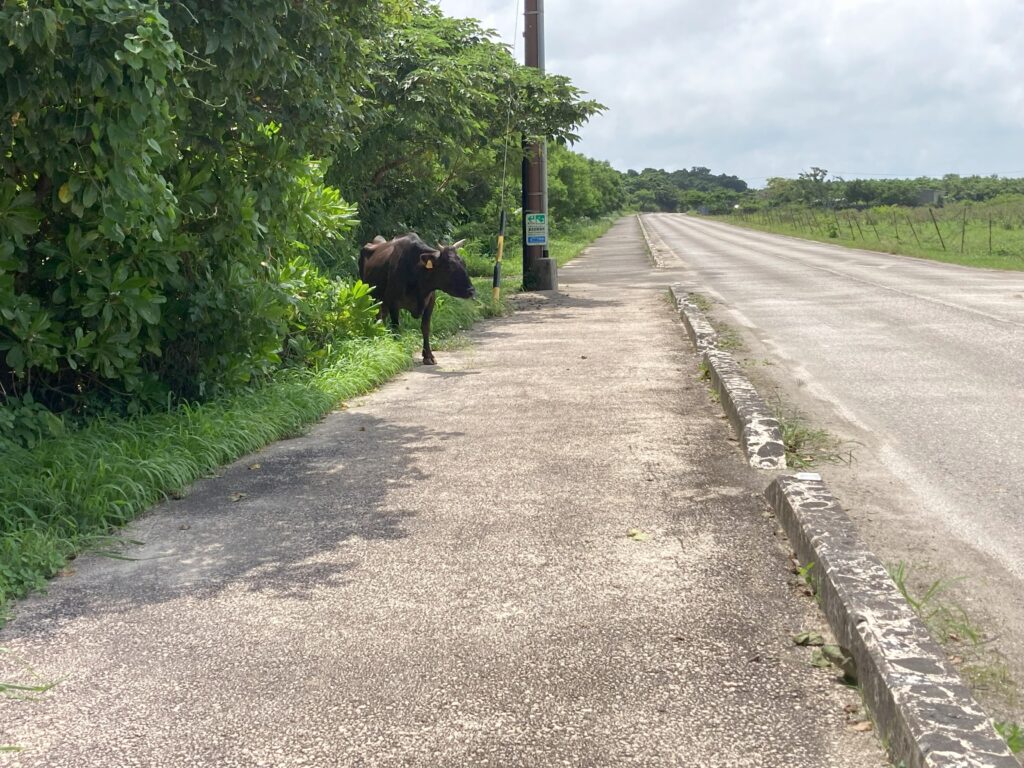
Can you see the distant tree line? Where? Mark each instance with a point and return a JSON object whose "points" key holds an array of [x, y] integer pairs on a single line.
{"points": [[581, 186], [814, 188], [696, 189]]}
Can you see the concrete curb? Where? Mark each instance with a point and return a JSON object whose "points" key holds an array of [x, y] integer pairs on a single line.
{"points": [[922, 708], [654, 251], [759, 431]]}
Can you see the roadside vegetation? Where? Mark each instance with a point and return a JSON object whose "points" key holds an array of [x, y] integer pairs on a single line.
{"points": [[976, 221], [182, 200], [808, 446]]}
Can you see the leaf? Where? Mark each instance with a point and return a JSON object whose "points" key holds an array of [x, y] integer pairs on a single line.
{"points": [[833, 653], [148, 311], [64, 193], [818, 660], [862, 726], [16, 358], [239, 496], [637, 535], [809, 639]]}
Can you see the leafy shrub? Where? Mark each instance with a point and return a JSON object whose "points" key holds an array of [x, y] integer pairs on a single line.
{"points": [[86, 213], [24, 422], [479, 263], [325, 313], [156, 177]]}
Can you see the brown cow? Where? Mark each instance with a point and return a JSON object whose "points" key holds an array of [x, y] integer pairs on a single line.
{"points": [[404, 273]]}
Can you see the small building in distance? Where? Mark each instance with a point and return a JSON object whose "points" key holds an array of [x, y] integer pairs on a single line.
{"points": [[929, 197]]}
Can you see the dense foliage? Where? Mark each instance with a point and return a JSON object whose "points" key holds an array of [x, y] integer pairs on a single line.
{"points": [[445, 107], [157, 188], [581, 187]]}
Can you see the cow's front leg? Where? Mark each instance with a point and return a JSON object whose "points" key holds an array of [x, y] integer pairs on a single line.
{"points": [[428, 310], [394, 319]]}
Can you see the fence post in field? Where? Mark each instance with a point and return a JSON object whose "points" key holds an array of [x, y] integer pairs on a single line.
{"points": [[872, 223], [990, 234], [895, 225], [931, 211], [913, 229], [856, 220], [963, 231]]}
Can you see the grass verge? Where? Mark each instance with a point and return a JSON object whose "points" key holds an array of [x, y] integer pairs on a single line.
{"points": [[985, 235], [68, 494]]}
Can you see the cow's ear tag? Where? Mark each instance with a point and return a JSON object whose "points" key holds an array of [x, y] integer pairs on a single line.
{"points": [[429, 264]]}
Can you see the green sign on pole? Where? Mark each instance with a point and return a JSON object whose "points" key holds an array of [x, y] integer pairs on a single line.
{"points": [[536, 229]]}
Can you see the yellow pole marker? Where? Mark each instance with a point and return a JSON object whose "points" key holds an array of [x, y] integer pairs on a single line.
{"points": [[496, 290]]}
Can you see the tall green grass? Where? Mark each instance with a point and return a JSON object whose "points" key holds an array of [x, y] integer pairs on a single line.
{"points": [[988, 235], [70, 492], [569, 240], [66, 493]]}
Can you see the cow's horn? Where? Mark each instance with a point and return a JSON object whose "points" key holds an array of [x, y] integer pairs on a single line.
{"points": [[459, 244]]}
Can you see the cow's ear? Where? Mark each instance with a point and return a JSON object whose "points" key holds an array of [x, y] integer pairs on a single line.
{"points": [[427, 259]]}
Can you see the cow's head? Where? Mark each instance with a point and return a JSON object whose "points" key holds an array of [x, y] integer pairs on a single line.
{"points": [[446, 271]]}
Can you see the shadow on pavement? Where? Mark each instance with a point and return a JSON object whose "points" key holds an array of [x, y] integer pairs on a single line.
{"points": [[271, 523]]}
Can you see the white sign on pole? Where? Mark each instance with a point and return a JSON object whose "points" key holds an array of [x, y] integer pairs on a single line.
{"points": [[536, 229]]}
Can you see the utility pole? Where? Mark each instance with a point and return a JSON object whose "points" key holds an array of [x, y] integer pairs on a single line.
{"points": [[540, 273]]}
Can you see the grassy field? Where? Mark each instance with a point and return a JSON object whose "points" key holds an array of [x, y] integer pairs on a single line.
{"points": [[71, 493], [978, 235]]}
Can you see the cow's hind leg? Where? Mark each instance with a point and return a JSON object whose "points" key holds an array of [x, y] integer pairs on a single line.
{"points": [[428, 310]]}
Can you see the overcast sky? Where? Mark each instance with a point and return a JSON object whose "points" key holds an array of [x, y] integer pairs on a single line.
{"points": [[759, 88]]}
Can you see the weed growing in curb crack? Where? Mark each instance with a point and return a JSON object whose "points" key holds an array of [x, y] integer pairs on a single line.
{"points": [[804, 573], [728, 340], [1013, 735], [700, 301], [805, 445]]}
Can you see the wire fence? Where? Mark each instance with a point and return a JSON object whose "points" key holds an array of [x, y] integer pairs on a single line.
{"points": [[979, 230]]}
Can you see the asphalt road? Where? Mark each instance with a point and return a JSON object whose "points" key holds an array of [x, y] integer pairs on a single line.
{"points": [[919, 365], [443, 574]]}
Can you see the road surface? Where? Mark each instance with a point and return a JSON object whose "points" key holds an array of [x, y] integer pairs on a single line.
{"points": [[920, 365]]}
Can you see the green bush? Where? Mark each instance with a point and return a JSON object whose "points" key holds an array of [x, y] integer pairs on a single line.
{"points": [[156, 183], [86, 214], [325, 313]]}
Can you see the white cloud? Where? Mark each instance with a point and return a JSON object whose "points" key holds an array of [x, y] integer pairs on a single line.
{"points": [[761, 88]]}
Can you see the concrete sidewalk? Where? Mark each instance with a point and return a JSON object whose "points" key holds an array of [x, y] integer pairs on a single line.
{"points": [[442, 575]]}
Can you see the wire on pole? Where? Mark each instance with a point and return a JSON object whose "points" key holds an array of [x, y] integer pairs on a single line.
{"points": [[496, 290]]}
